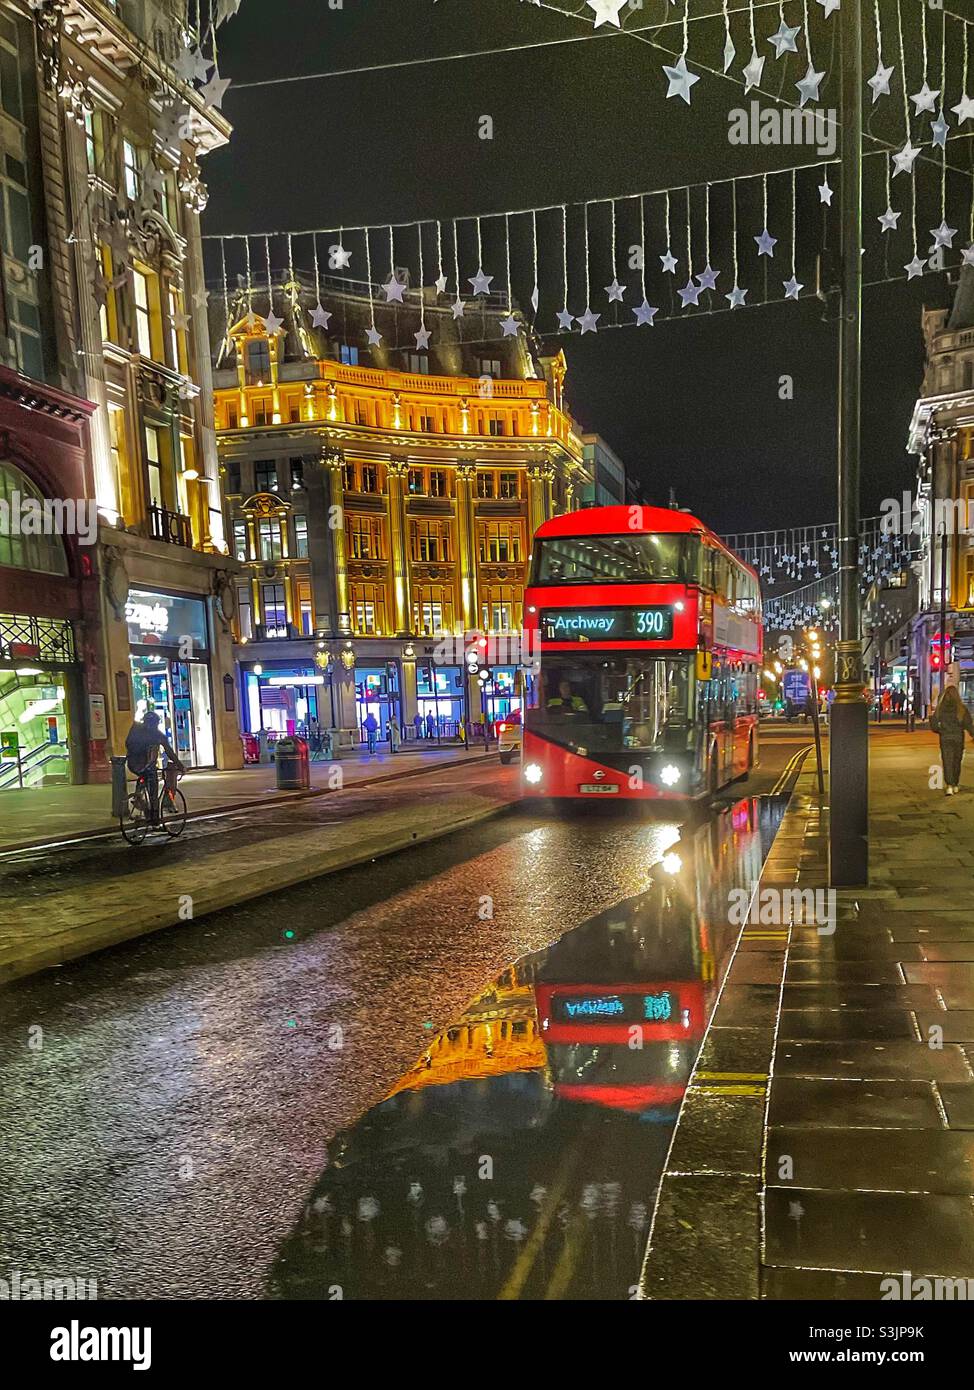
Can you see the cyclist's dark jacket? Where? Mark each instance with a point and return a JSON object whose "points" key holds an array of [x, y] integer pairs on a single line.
{"points": [[142, 747]]}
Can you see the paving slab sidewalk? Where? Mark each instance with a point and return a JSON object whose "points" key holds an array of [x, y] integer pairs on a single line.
{"points": [[826, 1141]]}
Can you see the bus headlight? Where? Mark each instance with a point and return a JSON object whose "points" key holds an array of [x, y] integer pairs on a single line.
{"points": [[669, 775], [532, 774]]}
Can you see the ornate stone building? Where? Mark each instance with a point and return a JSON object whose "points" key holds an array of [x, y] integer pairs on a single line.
{"points": [[104, 300], [382, 494]]}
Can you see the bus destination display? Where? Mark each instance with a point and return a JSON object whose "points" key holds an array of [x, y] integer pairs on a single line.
{"points": [[652, 624]]}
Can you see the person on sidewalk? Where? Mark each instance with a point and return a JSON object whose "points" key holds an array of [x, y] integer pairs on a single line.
{"points": [[395, 738], [371, 727], [142, 753], [949, 721]]}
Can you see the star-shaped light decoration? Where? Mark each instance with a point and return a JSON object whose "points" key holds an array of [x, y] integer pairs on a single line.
{"points": [[830, 6], [880, 81], [272, 323], [394, 288], [753, 71], [940, 129], [736, 297], [792, 288], [422, 338], [669, 262], [914, 268], [690, 294], [191, 65], [888, 219], [341, 257], [458, 307], [784, 39], [646, 312], [181, 320], [606, 11], [535, 298], [374, 336], [510, 326], [766, 243], [964, 110], [967, 255], [440, 283], [680, 79], [924, 99], [825, 193], [904, 160], [943, 235], [615, 291], [809, 85], [565, 319], [707, 279], [319, 316], [588, 320], [730, 52], [480, 281], [215, 90]]}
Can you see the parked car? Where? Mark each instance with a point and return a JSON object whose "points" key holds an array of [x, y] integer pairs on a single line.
{"points": [[509, 735]]}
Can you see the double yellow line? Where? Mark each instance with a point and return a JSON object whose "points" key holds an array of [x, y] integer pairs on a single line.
{"points": [[792, 765]]}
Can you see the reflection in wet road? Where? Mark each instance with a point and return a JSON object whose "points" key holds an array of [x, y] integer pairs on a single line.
{"points": [[520, 1156]]}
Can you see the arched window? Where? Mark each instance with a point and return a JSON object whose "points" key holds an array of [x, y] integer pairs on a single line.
{"points": [[28, 540]]}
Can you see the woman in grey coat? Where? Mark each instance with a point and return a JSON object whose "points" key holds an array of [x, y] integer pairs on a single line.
{"points": [[949, 721]]}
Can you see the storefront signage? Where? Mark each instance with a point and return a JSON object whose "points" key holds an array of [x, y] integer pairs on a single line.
{"points": [[165, 620], [651, 624]]}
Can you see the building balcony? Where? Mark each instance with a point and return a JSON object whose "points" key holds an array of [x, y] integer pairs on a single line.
{"points": [[172, 527]]}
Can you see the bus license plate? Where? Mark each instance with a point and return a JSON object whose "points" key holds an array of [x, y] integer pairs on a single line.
{"points": [[598, 787]]}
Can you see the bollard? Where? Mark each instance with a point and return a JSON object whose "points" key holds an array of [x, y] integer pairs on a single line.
{"points": [[120, 794]]}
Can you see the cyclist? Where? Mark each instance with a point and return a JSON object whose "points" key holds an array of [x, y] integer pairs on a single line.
{"points": [[142, 752]]}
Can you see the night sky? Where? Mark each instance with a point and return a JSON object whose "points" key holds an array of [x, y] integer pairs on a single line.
{"points": [[691, 404]]}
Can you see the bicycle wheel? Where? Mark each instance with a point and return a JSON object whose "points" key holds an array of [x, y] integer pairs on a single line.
{"points": [[172, 813], [134, 825]]}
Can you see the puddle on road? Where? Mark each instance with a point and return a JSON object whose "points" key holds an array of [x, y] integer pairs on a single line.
{"points": [[520, 1156]]}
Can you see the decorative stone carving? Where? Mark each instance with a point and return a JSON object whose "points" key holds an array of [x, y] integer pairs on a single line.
{"points": [[116, 578], [225, 597]]}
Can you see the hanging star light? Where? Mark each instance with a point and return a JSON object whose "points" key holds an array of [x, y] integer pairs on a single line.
{"points": [[736, 297], [615, 291], [880, 81], [680, 79], [319, 316], [707, 279], [606, 11], [888, 219], [272, 323], [393, 289], [690, 294], [440, 283], [510, 326], [792, 288], [940, 129], [825, 193], [645, 313], [215, 90], [668, 262], [341, 258], [766, 243], [964, 109], [191, 66], [422, 338], [830, 6], [967, 255], [535, 298], [480, 282], [943, 235], [809, 85], [565, 319], [924, 99], [373, 336], [753, 71], [730, 52], [784, 39], [458, 307], [588, 320], [914, 268], [905, 158]]}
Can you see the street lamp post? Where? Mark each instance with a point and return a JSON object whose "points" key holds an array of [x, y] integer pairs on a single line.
{"points": [[848, 728]]}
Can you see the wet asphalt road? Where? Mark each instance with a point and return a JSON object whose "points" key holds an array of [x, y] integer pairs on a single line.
{"points": [[167, 1106]]}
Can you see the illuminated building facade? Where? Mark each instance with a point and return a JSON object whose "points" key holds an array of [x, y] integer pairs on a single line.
{"points": [[109, 348], [379, 496]]}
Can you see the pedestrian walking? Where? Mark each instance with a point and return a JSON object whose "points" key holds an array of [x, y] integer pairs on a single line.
{"points": [[418, 725], [949, 720], [371, 727], [395, 737], [430, 726]]}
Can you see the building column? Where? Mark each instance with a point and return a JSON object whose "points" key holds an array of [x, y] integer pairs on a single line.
{"points": [[467, 547], [540, 476], [200, 367], [399, 543], [320, 556], [334, 461]]}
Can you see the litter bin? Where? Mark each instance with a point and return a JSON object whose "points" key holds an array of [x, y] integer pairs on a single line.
{"points": [[293, 765], [120, 795]]}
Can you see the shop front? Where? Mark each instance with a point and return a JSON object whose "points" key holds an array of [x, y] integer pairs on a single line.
{"points": [[41, 688], [169, 655], [285, 698], [439, 701], [378, 691]]}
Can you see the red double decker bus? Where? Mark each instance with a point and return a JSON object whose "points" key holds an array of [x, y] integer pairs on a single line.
{"points": [[649, 633]]}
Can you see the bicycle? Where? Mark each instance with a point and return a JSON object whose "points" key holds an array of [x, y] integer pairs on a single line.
{"points": [[137, 821]]}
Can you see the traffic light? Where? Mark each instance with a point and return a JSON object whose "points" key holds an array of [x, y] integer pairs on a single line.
{"points": [[940, 652]]}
